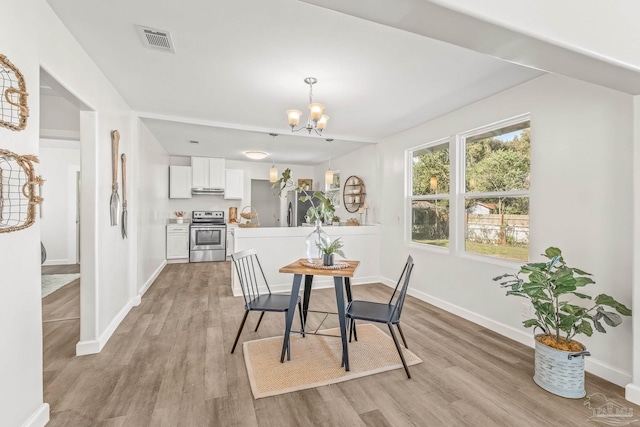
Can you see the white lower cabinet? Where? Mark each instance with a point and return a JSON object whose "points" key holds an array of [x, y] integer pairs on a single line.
{"points": [[230, 236], [178, 242]]}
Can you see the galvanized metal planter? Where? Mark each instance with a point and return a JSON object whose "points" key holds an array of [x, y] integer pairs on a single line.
{"points": [[560, 372]]}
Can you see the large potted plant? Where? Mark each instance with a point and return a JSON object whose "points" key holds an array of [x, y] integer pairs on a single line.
{"points": [[562, 311], [321, 210]]}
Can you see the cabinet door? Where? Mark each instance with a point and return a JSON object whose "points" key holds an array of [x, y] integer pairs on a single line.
{"points": [[200, 172], [216, 173], [230, 242], [179, 182], [234, 184], [177, 244]]}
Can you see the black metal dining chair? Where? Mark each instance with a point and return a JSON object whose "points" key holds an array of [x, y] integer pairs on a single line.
{"points": [[256, 292], [388, 313]]}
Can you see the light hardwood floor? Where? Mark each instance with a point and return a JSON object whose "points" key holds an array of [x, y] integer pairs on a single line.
{"points": [[168, 364]]}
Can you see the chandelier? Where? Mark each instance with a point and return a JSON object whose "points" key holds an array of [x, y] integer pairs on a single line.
{"points": [[317, 121]]}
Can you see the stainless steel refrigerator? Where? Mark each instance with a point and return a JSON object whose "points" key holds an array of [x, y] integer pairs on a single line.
{"points": [[297, 209]]}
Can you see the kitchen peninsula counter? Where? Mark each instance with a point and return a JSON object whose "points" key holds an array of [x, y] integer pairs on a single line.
{"points": [[278, 246]]}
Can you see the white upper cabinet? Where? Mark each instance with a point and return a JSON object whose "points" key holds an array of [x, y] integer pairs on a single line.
{"points": [[207, 172], [234, 184], [179, 182]]}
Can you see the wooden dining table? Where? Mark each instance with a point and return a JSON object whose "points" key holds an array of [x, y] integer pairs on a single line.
{"points": [[340, 276]]}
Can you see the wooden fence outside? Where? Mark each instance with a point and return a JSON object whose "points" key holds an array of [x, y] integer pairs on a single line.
{"points": [[498, 229]]}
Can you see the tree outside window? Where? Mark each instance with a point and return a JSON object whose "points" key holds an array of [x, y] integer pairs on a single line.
{"points": [[496, 198], [430, 179]]}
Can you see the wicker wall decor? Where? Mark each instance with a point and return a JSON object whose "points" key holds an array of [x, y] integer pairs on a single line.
{"points": [[13, 96], [18, 184]]}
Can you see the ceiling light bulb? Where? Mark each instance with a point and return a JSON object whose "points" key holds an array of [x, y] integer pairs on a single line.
{"points": [[315, 111], [322, 123], [273, 174], [255, 155], [294, 117], [328, 177]]}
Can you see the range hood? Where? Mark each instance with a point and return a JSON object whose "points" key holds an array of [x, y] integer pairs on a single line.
{"points": [[209, 191]]}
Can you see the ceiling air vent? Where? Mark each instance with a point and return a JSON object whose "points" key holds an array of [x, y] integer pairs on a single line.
{"points": [[156, 39]]}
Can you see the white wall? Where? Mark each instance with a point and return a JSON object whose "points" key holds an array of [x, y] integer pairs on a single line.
{"points": [[34, 37], [58, 227], [153, 200], [581, 201], [20, 295], [364, 163]]}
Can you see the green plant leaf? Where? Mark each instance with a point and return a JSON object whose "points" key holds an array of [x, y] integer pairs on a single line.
{"points": [[598, 325], [532, 322], [552, 252], [584, 328], [604, 299], [609, 317], [584, 273], [583, 281], [579, 295]]}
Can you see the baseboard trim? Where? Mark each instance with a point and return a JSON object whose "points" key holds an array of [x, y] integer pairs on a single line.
{"points": [[632, 393], [592, 365], [84, 348], [138, 299], [39, 418], [58, 262]]}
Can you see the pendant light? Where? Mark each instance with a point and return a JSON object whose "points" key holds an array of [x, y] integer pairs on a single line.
{"points": [[317, 120], [328, 175], [273, 172]]}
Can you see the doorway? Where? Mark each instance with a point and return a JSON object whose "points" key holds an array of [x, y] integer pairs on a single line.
{"points": [[266, 202]]}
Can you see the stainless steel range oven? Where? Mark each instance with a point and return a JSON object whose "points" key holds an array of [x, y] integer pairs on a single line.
{"points": [[207, 237]]}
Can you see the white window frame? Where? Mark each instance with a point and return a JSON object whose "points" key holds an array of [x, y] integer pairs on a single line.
{"points": [[461, 194], [409, 197]]}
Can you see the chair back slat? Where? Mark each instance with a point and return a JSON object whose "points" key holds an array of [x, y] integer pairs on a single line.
{"points": [[250, 274], [403, 284]]}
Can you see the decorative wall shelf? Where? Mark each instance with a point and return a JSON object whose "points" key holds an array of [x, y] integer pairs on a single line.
{"points": [[353, 194]]}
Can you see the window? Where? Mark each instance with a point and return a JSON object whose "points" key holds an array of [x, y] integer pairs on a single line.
{"points": [[496, 190], [483, 202], [430, 178]]}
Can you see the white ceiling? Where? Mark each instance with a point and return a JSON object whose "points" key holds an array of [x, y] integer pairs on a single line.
{"points": [[240, 64]]}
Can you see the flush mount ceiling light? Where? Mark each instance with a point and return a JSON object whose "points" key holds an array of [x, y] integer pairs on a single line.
{"points": [[317, 121], [255, 155]]}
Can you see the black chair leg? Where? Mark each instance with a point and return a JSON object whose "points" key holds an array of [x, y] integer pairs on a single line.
{"points": [[301, 318], [244, 319], [350, 329], [402, 335], [259, 320], [355, 330], [395, 340]]}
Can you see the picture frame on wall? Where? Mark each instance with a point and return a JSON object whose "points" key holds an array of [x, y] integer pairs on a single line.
{"points": [[305, 183]]}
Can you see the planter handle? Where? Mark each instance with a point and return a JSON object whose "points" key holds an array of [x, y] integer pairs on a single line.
{"points": [[582, 353]]}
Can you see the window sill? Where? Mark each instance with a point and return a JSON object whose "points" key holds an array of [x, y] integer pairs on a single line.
{"points": [[492, 260]]}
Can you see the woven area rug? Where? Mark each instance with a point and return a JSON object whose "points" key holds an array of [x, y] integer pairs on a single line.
{"points": [[53, 282], [315, 360]]}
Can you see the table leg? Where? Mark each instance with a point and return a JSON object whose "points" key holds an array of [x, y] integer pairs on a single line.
{"points": [[308, 284], [339, 286], [295, 289]]}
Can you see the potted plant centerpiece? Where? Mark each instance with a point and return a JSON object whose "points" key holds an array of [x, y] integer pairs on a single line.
{"points": [[329, 249], [320, 211], [554, 290]]}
